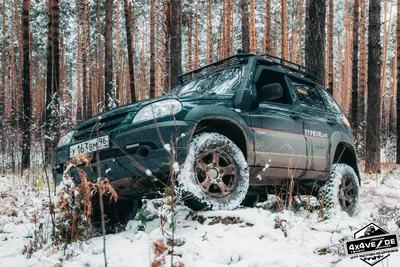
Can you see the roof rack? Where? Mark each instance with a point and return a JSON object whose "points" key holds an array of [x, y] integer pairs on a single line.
{"points": [[218, 65], [291, 66]]}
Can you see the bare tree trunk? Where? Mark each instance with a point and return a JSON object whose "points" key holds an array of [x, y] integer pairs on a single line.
{"points": [[228, 16], [372, 158], [190, 35], [315, 38], [330, 48], [285, 51], [197, 44], [354, 91], [244, 11], [267, 28], [253, 33], [152, 51], [53, 77], [209, 33], [398, 85], [176, 41], [363, 73], [108, 59], [130, 50], [26, 86]]}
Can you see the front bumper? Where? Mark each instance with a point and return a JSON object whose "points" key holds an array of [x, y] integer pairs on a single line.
{"points": [[132, 152]]}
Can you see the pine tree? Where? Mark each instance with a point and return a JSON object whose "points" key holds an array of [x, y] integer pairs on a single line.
{"points": [[209, 55], [129, 40], [363, 72], [228, 15], [175, 43], [267, 29], [53, 76], [331, 74], [285, 51], [315, 37], [398, 85], [253, 32], [244, 11], [108, 59], [26, 85], [354, 94], [372, 158], [152, 50]]}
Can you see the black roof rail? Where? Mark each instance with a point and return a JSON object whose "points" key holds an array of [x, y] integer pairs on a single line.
{"points": [[217, 65], [291, 66]]}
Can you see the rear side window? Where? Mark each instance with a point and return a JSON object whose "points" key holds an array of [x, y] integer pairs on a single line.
{"points": [[308, 95], [330, 103]]}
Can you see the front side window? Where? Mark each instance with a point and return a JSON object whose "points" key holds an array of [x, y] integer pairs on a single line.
{"points": [[217, 83], [308, 95]]}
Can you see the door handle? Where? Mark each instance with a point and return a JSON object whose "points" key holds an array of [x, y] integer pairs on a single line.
{"points": [[295, 115], [331, 121]]}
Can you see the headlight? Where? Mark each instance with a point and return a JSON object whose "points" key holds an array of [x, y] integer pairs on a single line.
{"points": [[66, 139], [158, 109]]}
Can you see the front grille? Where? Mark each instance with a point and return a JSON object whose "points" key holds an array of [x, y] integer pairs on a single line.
{"points": [[100, 127]]}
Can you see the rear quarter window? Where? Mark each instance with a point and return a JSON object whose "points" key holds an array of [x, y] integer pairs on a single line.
{"points": [[330, 103], [308, 95]]}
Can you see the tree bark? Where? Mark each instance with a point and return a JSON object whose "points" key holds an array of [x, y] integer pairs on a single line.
{"points": [[108, 59], [209, 33], [398, 85], [372, 156], [228, 16], [267, 29], [26, 87], [244, 11], [253, 32], [315, 38], [53, 78], [331, 76], [354, 91], [284, 45], [176, 41], [130, 50], [152, 51], [363, 73]]}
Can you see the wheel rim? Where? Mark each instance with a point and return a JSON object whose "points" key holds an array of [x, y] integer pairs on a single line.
{"points": [[216, 173], [347, 194]]}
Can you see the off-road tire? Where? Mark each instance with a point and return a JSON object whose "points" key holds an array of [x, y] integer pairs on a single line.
{"points": [[331, 195], [188, 187]]}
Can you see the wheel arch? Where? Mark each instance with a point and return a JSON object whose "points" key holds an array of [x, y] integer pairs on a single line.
{"points": [[226, 122], [346, 154]]}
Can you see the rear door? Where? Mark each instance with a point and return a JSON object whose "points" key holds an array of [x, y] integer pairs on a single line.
{"points": [[319, 123], [278, 128]]}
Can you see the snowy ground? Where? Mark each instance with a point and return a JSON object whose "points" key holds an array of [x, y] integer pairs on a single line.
{"points": [[252, 237]]}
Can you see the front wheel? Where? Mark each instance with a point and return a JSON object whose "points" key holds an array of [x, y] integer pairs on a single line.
{"points": [[341, 190], [215, 174]]}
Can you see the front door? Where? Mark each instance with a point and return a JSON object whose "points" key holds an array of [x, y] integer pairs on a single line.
{"points": [[318, 123], [279, 141]]}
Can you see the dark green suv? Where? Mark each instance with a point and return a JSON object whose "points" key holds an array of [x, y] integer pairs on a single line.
{"points": [[247, 124]]}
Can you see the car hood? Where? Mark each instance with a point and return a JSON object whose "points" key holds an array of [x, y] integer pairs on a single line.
{"points": [[134, 107]]}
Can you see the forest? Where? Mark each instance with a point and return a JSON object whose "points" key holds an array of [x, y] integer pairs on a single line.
{"points": [[65, 61]]}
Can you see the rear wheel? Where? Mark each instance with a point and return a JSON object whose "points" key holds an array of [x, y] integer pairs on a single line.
{"points": [[341, 190], [215, 174]]}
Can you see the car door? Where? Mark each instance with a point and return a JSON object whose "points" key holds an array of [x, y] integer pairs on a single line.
{"points": [[278, 128], [319, 123]]}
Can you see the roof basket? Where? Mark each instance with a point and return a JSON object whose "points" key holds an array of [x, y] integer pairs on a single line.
{"points": [[218, 65], [292, 67]]}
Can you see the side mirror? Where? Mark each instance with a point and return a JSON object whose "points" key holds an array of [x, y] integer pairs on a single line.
{"points": [[270, 92]]}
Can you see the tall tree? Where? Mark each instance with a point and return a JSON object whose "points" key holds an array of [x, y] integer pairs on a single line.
{"points": [[267, 28], [176, 41], [26, 86], [330, 47], [209, 33], [244, 11], [398, 84], [3, 64], [129, 40], [315, 37], [108, 59], [152, 50], [363, 72], [253, 32], [285, 51], [228, 15], [372, 156], [53, 76], [354, 91]]}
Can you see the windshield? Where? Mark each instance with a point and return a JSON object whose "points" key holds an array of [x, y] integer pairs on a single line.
{"points": [[216, 83]]}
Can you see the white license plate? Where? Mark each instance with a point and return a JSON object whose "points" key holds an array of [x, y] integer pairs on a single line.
{"points": [[89, 146]]}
